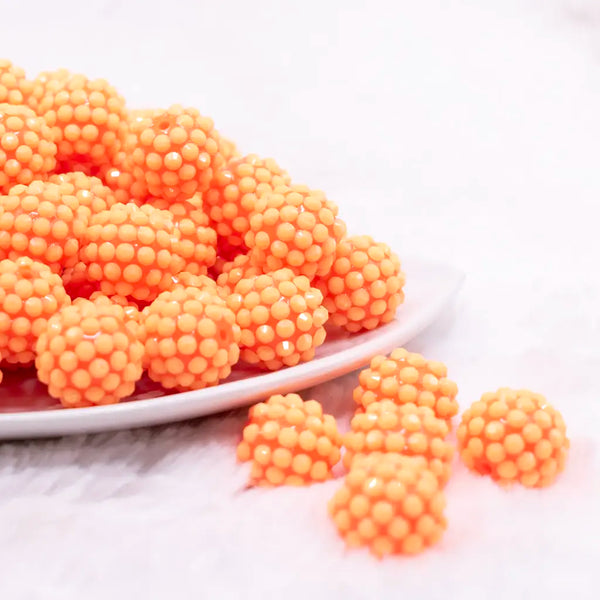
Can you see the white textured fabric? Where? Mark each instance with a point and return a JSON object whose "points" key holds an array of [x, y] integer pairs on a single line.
{"points": [[463, 131]]}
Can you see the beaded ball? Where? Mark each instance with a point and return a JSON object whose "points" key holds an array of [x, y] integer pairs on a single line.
{"points": [[363, 289], [175, 151], [232, 195], [27, 148], [42, 220], [30, 293], [192, 339], [202, 282], [289, 441], [88, 355], [295, 227], [408, 377], [87, 116], [90, 191], [76, 282], [131, 250], [390, 503], [514, 436], [281, 318], [402, 428], [227, 148], [14, 86], [118, 176], [241, 267]]}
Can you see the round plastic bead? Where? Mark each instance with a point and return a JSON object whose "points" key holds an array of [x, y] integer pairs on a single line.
{"points": [[281, 318], [514, 436], [87, 116], [175, 151], [132, 251], [27, 148], [364, 287], [88, 355], [91, 193], [405, 429], [14, 87], [295, 227], [232, 195], [30, 293], [408, 377], [192, 339], [390, 503], [232, 272], [289, 442], [42, 220]]}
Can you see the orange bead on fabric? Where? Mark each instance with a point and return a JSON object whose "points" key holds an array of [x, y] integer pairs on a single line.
{"points": [[514, 436], [281, 318], [27, 148], [175, 151], [14, 87], [232, 195], [390, 503], [132, 251], [408, 377], [364, 287], [91, 193], [405, 429], [87, 116], [42, 220], [88, 355], [232, 272], [30, 293], [192, 339], [289, 442], [295, 227]]}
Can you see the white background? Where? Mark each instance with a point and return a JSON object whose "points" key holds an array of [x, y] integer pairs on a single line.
{"points": [[462, 131]]}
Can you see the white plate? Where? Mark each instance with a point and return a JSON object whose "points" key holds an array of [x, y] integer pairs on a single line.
{"points": [[27, 411]]}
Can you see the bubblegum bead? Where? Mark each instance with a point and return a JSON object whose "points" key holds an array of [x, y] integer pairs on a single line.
{"points": [[88, 355], [192, 339], [175, 151], [91, 193], [27, 148], [43, 220], [30, 293], [408, 377], [405, 429], [514, 436], [281, 318], [289, 442], [233, 192], [295, 227], [132, 251], [391, 504], [232, 272], [364, 287], [14, 87], [87, 116]]}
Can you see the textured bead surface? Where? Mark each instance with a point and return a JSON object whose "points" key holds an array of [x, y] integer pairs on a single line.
{"points": [[42, 220], [295, 227], [281, 318], [14, 86], [289, 442], [364, 287], [90, 192], [27, 148], [514, 436], [408, 377], [76, 282], [30, 293], [192, 339], [88, 355], [390, 503], [241, 267]]}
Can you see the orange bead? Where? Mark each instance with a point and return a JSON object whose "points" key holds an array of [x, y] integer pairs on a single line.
{"points": [[514, 435], [91, 193], [281, 318], [174, 151], [129, 310], [29, 295], [44, 221], [87, 117], [89, 355], [405, 429], [192, 340], [14, 87], [295, 227], [27, 148], [408, 377], [289, 442], [390, 503], [364, 287], [132, 251], [227, 148], [202, 282], [233, 192], [118, 176], [76, 282], [241, 267]]}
